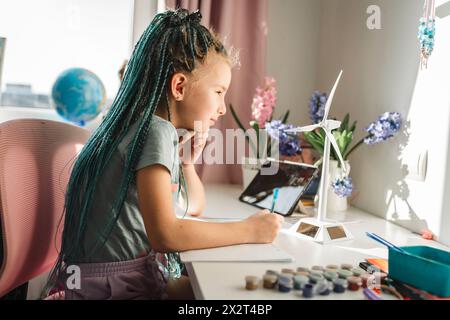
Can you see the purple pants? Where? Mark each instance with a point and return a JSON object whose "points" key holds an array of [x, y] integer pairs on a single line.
{"points": [[127, 280]]}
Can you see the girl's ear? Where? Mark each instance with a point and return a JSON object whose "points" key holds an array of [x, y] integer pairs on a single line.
{"points": [[178, 86]]}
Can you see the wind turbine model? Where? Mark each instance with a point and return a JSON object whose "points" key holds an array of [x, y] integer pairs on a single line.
{"points": [[319, 229]]}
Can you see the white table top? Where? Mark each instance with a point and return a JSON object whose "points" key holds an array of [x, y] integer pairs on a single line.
{"points": [[226, 280]]}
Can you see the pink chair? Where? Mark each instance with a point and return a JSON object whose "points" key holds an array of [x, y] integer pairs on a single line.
{"points": [[36, 158]]}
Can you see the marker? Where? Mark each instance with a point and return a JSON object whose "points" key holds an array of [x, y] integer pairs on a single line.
{"points": [[274, 199], [384, 242]]}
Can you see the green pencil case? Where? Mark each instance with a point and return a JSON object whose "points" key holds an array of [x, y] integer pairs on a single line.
{"points": [[422, 267]]}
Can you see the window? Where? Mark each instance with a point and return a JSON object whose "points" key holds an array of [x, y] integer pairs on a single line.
{"points": [[46, 37]]}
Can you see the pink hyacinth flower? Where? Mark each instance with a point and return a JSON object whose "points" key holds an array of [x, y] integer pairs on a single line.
{"points": [[264, 102]]}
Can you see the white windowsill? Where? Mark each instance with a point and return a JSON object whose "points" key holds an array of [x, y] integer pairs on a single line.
{"points": [[12, 113]]}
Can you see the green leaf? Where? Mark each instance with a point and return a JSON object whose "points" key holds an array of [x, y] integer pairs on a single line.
{"points": [[321, 134], [315, 141], [320, 137], [344, 124], [352, 129], [269, 146], [317, 147], [236, 118], [255, 126], [308, 136], [285, 118], [348, 140], [312, 136], [343, 139], [339, 139]]}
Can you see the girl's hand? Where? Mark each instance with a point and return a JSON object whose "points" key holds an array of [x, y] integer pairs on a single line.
{"points": [[191, 146], [264, 226]]}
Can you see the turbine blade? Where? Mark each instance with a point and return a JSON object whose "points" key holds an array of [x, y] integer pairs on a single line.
{"points": [[336, 149], [330, 97], [304, 129]]}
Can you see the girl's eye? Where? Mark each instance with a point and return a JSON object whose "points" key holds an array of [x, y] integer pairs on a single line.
{"points": [[219, 92]]}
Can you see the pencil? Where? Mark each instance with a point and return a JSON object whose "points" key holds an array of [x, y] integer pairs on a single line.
{"points": [[274, 199]]}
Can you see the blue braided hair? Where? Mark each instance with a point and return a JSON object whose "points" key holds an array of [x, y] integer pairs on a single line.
{"points": [[175, 41]]}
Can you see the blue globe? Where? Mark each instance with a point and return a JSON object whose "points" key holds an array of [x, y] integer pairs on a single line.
{"points": [[78, 95]]}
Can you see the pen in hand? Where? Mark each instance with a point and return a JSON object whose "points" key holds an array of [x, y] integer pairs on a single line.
{"points": [[274, 199]]}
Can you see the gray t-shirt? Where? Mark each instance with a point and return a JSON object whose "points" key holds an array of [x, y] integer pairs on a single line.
{"points": [[128, 239]]}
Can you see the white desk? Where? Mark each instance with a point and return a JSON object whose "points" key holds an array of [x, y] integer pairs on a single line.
{"points": [[214, 280]]}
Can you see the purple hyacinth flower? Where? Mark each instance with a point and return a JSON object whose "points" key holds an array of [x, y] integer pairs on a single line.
{"points": [[317, 106], [384, 128], [288, 145], [343, 187]]}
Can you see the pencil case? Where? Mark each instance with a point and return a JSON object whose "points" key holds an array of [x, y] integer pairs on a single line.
{"points": [[422, 267]]}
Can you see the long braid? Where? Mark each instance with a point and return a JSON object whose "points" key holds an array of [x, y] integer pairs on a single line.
{"points": [[136, 147], [106, 157], [170, 44]]}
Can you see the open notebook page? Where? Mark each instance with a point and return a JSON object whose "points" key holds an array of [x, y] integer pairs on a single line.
{"points": [[238, 253]]}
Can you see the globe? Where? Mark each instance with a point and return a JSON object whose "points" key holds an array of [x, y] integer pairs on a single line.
{"points": [[78, 95]]}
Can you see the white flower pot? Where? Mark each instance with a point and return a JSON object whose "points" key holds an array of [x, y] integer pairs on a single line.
{"points": [[336, 203]]}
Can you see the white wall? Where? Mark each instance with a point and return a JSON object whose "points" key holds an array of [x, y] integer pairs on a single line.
{"points": [[144, 11], [381, 73], [439, 89], [293, 43]]}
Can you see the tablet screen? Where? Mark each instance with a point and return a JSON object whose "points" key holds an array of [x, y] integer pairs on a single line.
{"points": [[291, 179]]}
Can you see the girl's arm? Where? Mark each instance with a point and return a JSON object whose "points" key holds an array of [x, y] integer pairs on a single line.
{"points": [[190, 148], [196, 191], [167, 233]]}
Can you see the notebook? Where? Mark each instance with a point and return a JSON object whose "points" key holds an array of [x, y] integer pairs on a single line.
{"points": [[238, 253]]}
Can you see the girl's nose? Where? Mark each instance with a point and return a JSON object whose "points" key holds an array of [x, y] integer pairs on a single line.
{"points": [[223, 109]]}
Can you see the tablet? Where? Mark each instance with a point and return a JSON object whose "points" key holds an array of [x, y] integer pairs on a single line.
{"points": [[291, 178]]}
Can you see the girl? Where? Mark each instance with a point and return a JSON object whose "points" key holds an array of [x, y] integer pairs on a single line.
{"points": [[120, 230]]}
